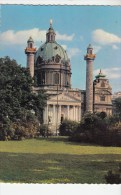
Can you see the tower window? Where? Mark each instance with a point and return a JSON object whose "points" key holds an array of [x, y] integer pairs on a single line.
{"points": [[102, 98], [51, 37], [56, 78], [30, 45]]}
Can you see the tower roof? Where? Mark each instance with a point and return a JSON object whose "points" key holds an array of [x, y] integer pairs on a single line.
{"points": [[50, 30], [89, 46], [30, 39], [100, 75]]}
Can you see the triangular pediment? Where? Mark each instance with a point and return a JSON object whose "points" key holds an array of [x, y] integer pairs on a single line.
{"points": [[63, 97]]}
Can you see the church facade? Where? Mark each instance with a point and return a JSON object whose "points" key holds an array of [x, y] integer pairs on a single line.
{"points": [[51, 68]]}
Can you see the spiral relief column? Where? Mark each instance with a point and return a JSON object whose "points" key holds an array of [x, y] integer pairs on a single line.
{"points": [[89, 57]]}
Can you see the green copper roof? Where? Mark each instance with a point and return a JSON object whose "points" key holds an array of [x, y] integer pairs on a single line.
{"points": [[50, 49], [100, 75]]}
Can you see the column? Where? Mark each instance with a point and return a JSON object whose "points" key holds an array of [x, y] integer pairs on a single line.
{"points": [[79, 113], [30, 63], [47, 115], [59, 119], [73, 112], [89, 57], [53, 114], [68, 111], [44, 115]]}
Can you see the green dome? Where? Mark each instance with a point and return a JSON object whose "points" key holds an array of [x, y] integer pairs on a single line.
{"points": [[52, 65], [49, 50]]}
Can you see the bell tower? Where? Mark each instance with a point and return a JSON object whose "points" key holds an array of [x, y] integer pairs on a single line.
{"points": [[102, 94], [30, 52], [89, 57]]}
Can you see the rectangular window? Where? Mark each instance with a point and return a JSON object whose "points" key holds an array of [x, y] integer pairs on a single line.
{"points": [[102, 98], [56, 78]]}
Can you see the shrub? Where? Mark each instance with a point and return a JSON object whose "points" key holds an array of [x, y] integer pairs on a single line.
{"points": [[19, 129], [94, 128], [67, 127], [113, 177], [5, 129], [25, 129], [44, 130]]}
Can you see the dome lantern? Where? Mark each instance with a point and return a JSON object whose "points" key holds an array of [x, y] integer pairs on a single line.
{"points": [[50, 35]]}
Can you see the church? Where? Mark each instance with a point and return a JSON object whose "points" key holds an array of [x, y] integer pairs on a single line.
{"points": [[51, 68]]}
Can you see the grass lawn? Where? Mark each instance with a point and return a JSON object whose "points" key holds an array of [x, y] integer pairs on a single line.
{"points": [[55, 160]]}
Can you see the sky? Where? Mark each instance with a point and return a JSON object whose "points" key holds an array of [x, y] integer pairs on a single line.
{"points": [[76, 27]]}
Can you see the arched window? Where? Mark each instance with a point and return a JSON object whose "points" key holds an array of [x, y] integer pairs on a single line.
{"points": [[56, 78], [90, 51], [30, 45], [51, 37]]}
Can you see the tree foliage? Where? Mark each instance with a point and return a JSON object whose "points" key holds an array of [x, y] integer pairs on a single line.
{"points": [[118, 106], [99, 130], [17, 100]]}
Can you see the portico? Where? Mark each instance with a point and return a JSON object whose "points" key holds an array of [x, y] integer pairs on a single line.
{"points": [[67, 107]]}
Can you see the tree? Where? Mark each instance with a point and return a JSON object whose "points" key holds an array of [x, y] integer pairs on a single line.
{"points": [[17, 100], [118, 106], [94, 128]]}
